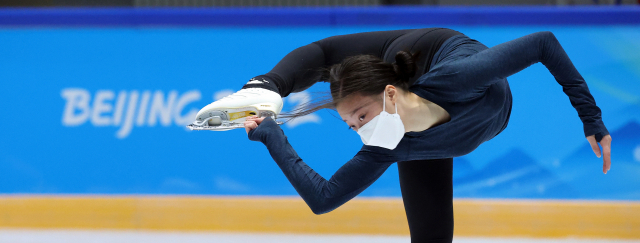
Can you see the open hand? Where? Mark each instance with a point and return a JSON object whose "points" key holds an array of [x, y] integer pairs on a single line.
{"points": [[606, 149], [252, 122]]}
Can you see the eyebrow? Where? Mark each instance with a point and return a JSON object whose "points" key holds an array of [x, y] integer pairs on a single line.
{"points": [[354, 111]]}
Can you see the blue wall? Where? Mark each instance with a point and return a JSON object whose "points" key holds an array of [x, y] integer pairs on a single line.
{"points": [[325, 16], [89, 109]]}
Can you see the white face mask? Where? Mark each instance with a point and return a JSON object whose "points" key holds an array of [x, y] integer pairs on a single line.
{"points": [[385, 130]]}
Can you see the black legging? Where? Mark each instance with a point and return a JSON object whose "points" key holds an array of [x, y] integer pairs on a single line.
{"points": [[301, 68], [427, 193]]}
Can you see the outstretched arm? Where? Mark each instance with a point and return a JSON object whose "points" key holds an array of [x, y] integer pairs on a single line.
{"points": [[480, 70], [302, 67], [320, 194]]}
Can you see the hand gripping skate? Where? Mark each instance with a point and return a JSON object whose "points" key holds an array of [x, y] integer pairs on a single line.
{"points": [[231, 111]]}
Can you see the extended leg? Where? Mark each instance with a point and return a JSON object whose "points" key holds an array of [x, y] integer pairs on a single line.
{"points": [[304, 66]]}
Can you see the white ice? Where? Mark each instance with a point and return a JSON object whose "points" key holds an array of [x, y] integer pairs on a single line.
{"points": [[126, 236]]}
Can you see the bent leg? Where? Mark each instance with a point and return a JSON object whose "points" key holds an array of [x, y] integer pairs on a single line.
{"points": [[427, 193]]}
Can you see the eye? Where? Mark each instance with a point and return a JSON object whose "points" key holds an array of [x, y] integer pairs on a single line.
{"points": [[353, 126]]}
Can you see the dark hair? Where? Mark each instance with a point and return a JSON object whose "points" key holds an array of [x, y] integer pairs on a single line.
{"points": [[362, 74]]}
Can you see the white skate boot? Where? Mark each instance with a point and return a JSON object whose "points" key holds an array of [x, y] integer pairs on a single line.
{"points": [[231, 111]]}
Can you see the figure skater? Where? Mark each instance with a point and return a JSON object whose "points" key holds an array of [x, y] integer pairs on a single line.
{"points": [[417, 97]]}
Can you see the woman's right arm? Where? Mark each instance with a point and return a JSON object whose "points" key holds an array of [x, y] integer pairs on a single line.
{"points": [[320, 194], [474, 74], [302, 67]]}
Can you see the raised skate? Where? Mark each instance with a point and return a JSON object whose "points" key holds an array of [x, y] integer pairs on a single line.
{"points": [[231, 111]]}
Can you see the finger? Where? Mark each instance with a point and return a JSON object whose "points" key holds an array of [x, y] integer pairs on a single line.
{"points": [[606, 150], [594, 145], [246, 127], [249, 125], [259, 120]]}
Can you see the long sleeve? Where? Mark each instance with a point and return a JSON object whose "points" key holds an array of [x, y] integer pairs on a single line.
{"points": [[475, 73], [303, 66], [320, 194]]}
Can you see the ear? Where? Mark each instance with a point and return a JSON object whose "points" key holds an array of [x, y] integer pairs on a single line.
{"points": [[391, 92]]}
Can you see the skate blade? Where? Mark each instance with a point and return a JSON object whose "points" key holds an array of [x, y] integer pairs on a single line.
{"points": [[225, 119], [225, 126]]}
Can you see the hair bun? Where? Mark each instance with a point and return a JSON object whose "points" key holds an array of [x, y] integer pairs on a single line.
{"points": [[405, 65]]}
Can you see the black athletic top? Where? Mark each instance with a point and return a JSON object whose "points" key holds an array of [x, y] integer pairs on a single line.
{"points": [[468, 80]]}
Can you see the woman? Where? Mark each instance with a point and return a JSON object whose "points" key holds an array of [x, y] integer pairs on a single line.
{"points": [[417, 97]]}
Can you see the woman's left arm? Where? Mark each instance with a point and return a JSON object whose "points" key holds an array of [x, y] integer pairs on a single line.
{"points": [[320, 194], [480, 70]]}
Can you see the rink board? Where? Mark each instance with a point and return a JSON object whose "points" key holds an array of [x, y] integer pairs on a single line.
{"points": [[384, 216]]}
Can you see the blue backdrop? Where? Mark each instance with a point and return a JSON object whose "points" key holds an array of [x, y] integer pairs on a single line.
{"points": [[103, 109]]}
